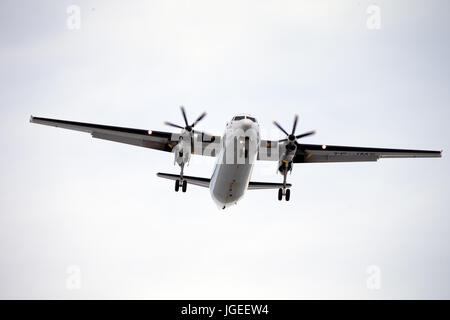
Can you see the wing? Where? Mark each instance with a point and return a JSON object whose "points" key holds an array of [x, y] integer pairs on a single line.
{"points": [[158, 140], [310, 153]]}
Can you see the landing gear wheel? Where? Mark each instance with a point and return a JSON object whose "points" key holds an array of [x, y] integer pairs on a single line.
{"points": [[177, 185], [288, 194], [280, 194], [184, 186]]}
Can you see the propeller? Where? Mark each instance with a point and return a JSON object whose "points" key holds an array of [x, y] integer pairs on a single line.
{"points": [[292, 137], [187, 127]]}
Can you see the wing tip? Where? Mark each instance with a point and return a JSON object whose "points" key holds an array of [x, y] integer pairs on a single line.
{"points": [[31, 119]]}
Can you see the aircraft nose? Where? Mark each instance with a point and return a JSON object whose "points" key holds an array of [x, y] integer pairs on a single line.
{"points": [[246, 124]]}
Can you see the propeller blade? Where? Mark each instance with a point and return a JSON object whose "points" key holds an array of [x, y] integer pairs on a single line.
{"points": [[280, 127], [295, 124], [167, 123], [198, 119], [309, 133], [183, 112]]}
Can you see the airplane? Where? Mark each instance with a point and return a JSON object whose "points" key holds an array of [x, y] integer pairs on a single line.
{"points": [[236, 152]]}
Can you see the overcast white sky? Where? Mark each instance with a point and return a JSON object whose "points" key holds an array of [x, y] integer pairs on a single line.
{"points": [[69, 200]]}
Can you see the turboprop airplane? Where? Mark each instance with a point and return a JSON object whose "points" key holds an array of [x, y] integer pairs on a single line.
{"points": [[236, 152]]}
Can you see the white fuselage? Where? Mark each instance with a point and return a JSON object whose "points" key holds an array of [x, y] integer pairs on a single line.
{"points": [[235, 162]]}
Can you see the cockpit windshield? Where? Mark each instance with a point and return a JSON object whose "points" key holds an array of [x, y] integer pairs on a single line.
{"points": [[237, 118]]}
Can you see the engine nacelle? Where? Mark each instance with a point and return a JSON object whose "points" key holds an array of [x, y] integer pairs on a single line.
{"points": [[286, 157], [182, 150]]}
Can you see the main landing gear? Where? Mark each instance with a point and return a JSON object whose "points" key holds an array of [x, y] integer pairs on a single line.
{"points": [[284, 191], [181, 182]]}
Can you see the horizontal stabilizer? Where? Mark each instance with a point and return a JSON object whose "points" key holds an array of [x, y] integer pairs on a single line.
{"points": [[204, 182], [266, 185]]}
